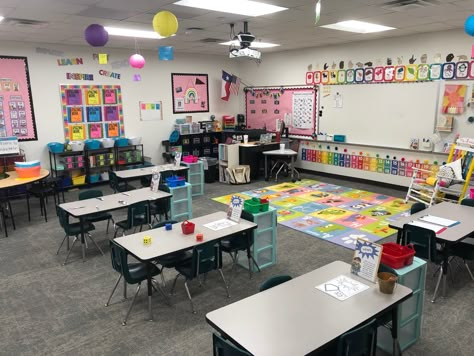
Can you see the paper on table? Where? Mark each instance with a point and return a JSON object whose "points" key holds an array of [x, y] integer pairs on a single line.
{"points": [[438, 221], [342, 287], [220, 224], [436, 228]]}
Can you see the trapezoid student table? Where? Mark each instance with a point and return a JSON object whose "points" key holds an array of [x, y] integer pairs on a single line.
{"points": [[280, 154], [81, 208], [169, 241], [12, 181], [295, 318]]}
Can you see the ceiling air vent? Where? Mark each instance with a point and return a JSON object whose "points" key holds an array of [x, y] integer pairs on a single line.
{"points": [[211, 40], [25, 23], [409, 4]]}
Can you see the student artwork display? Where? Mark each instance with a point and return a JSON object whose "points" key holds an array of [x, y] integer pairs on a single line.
{"points": [[91, 111], [17, 117], [453, 99], [190, 92], [366, 163], [392, 74], [296, 106]]}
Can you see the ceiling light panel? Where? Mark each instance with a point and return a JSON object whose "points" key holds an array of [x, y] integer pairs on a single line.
{"points": [[244, 7], [126, 32], [358, 27]]}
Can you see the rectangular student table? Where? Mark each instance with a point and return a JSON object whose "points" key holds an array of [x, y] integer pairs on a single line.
{"points": [[147, 171], [81, 208], [295, 318], [462, 213], [168, 241]]}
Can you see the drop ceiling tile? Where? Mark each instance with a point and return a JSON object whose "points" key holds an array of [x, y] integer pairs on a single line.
{"points": [[112, 14]]}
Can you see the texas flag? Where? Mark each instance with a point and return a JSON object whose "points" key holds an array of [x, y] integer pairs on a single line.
{"points": [[225, 88]]}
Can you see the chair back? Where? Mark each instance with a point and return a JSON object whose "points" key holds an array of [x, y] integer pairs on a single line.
{"points": [[113, 181], [416, 207], [274, 281], [361, 341], [467, 202], [423, 240], [163, 206], [163, 223], [119, 259], [138, 214], [206, 257], [89, 194], [63, 219], [223, 347]]}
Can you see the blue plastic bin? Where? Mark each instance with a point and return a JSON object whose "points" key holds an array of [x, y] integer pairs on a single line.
{"points": [[175, 181], [92, 144], [121, 142], [56, 147]]}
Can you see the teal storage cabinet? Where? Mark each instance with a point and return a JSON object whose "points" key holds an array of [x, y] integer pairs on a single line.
{"points": [[181, 203], [195, 177], [264, 239], [410, 312]]}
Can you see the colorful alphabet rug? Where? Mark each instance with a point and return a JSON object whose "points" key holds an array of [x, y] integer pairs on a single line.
{"points": [[331, 212]]}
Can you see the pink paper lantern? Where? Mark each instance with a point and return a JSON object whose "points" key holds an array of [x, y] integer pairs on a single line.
{"points": [[137, 61]]}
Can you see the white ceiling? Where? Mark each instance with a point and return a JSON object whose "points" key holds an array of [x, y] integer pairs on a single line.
{"points": [[292, 29]]}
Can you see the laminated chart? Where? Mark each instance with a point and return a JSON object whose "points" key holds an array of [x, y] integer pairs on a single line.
{"points": [[303, 105]]}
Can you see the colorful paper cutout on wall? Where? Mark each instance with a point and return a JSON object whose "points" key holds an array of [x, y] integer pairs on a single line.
{"points": [[453, 99]]}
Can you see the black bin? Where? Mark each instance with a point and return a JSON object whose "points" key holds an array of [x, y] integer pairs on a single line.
{"points": [[210, 169]]}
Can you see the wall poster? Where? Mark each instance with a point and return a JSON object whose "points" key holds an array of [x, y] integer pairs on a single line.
{"points": [[92, 111], [17, 117], [190, 93]]}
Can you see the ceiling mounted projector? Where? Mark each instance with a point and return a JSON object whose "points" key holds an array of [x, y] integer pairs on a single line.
{"points": [[243, 49]]}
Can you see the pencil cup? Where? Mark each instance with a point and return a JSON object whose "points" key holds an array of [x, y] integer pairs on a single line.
{"points": [[387, 282], [168, 226]]}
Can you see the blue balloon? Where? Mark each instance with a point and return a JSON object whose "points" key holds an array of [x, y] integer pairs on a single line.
{"points": [[469, 25], [166, 53]]}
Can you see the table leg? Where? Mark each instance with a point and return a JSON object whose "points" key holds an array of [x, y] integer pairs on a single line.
{"points": [[445, 267], [396, 350], [83, 239], [150, 290], [292, 162], [266, 168]]}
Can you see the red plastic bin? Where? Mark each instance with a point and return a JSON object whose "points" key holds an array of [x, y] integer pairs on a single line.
{"points": [[397, 256], [187, 227]]}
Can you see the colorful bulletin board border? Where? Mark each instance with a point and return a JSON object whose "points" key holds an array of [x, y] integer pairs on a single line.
{"points": [[92, 111], [17, 117], [296, 105], [393, 74], [190, 92]]}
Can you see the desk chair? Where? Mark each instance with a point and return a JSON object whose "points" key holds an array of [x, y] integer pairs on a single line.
{"points": [[206, 257], [101, 215], [161, 207], [42, 189], [73, 229], [118, 185], [415, 208], [274, 281], [138, 214], [174, 259], [132, 273], [361, 341], [426, 247], [222, 347], [5, 205]]}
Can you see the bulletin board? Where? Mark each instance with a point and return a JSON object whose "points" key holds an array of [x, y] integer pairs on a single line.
{"points": [[17, 117], [92, 111], [190, 93], [295, 105]]}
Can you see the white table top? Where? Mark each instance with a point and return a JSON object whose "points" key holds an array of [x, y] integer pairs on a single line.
{"points": [[295, 318], [285, 152], [111, 202], [165, 242], [146, 171], [462, 213]]}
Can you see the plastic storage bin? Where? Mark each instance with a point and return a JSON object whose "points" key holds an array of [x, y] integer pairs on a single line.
{"points": [[175, 181], [187, 227], [397, 256], [56, 147], [121, 142], [77, 145], [28, 172], [256, 205], [94, 178], [92, 144], [108, 142], [79, 180]]}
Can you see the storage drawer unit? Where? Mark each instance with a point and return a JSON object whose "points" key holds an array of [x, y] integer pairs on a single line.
{"points": [[195, 177], [181, 203], [264, 239], [410, 312]]}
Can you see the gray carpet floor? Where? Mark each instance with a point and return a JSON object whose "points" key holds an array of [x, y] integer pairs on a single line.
{"points": [[50, 309]]}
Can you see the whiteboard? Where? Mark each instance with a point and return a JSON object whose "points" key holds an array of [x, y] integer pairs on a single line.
{"points": [[380, 114]]}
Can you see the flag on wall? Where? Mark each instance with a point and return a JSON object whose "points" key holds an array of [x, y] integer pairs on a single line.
{"points": [[225, 88], [234, 85]]}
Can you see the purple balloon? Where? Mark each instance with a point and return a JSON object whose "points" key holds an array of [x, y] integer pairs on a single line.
{"points": [[96, 35]]}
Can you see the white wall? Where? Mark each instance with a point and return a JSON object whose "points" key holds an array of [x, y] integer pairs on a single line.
{"points": [[46, 76], [289, 68]]}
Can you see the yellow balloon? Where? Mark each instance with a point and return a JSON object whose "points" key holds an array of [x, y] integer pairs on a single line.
{"points": [[165, 23]]}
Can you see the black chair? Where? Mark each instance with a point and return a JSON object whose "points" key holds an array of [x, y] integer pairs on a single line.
{"points": [[206, 257], [416, 207], [242, 242], [118, 185], [361, 341], [162, 206], [74, 229], [274, 281], [138, 214], [222, 347], [41, 190], [174, 259], [5, 205], [132, 273], [426, 247], [101, 215]]}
